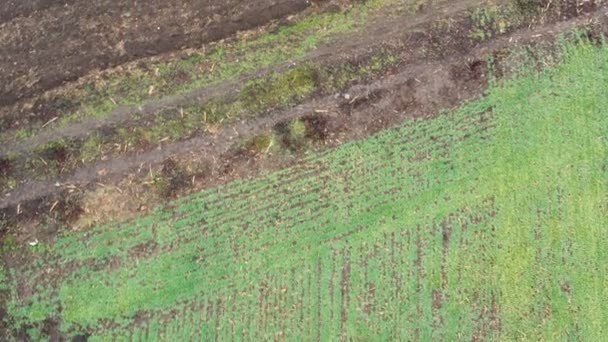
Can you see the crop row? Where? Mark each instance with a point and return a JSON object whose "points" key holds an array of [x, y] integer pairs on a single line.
{"points": [[382, 287]]}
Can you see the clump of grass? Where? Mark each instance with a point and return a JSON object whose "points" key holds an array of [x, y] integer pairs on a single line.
{"points": [[281, 88], [292, 134], [297, 129], [8, 183], [9, 244], [91, 149], [488, 22], [263, 143], [171, 179], [24, 133]]}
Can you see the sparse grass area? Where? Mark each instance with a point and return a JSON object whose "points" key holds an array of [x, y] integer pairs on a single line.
{"points": [[485, 223], [282, 88], [4, 281], [172, 178], [258, 97], [498, 17], [223, 62], [92, 148], [531, 6]]}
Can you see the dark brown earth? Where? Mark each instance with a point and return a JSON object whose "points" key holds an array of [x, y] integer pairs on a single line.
{"points": [[11, 9], [46, 42]]}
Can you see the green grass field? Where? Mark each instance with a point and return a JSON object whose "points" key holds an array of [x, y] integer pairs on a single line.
{"points": [[488, 222]]}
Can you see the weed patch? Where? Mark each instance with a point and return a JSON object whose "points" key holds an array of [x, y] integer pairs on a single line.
{"points": [[280, 89]]}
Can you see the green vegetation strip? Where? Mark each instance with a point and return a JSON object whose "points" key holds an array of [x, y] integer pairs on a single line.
{"points": [[484, 223]]}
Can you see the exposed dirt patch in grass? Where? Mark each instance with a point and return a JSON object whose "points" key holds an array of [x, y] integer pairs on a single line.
{"points": [[106, 203]]}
